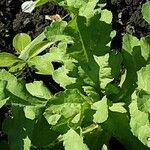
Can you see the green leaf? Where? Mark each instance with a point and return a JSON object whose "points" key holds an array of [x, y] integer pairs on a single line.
{"points": [[19, 128], [90, 73], [25, 53], [43, 135], [67, 110], [2, 89], [79, 7], [101, 108], [105, 70], [87, 8], [82, 49], [115, 61], [41, 2], [33, 112], [112, 89], [140, 123], [43, 91], [84, 45], [143, 78], [3, 102], [42, 64], [106, 16], [143, 100], [66, 105], [131, 45], [96, 139], [19, 66], [91, 93], [146, 11], [145, 47], [20, 41], [129, 42], [7, 59], [118, 107], [144, 135], [90, 37], [132, 48], [3, 96], [60, 76], [58, 53], [38, 48], [73, 141], [74, 6], [83, 79], [53, 119], [117, 125], [18, 91], [55, 32]]}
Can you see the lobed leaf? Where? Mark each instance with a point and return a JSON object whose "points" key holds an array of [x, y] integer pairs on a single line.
{"points": [[105, 76], [19, 128], [71, 140], [43, 91], [65, 106], [101, 108], [140, 123], [42, 64]]}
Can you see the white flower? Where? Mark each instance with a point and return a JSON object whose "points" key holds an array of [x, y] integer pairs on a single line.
{"points": [[28, 6]]}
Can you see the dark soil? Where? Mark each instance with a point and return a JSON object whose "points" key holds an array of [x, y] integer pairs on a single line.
{"points": [[30, 76], [4, 112], [114, 144], [13, 21], [127, 18]]}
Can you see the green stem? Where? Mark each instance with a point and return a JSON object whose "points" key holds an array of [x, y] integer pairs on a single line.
{"points": [[24, 54]]}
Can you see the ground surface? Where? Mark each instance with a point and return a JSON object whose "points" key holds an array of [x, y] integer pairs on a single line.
{"points": [[13, 21], [126, 18]]}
